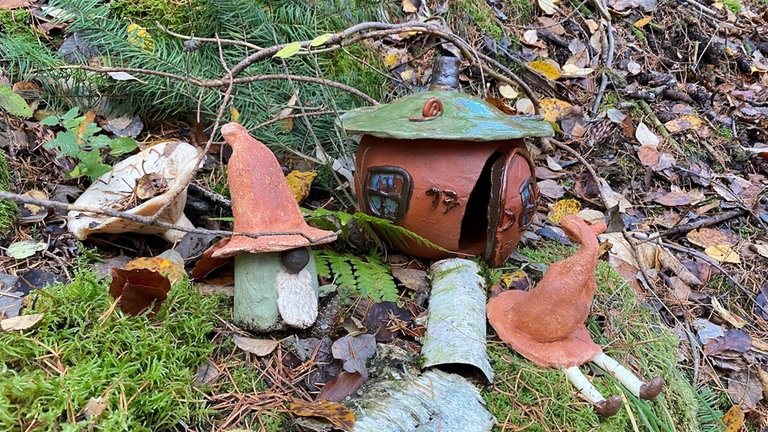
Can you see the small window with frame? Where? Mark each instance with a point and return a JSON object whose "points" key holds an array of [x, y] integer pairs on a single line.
{"points": [[387, 192]]}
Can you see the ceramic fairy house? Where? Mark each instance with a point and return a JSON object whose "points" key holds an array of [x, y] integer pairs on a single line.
{"points": [[448, 166], [546, 324]]}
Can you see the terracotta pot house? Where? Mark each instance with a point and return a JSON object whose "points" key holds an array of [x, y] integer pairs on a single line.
{"points": [[449, 167]]}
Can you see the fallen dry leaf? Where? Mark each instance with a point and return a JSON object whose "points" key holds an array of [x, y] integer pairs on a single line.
{"points": [[21, 322], [732, 340], [336, 413], [548, 68], [723, 253], [761, 249], [138, 290], [207, 263], [342, 385], [732, 319], [683, 123], [92, 409], [674, 199], [410, 6], [15, 4], [734, 419], [353, 351], [706, 237], [300, 182], [173, 271], [553, 109], [648, 154], [745, 388], [548, 6], [258, 347], [562, 208], [508, 92], [517, 279], [645, 136], [551, 189], [413, 279]]}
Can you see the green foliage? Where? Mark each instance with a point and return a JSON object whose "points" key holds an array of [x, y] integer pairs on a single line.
{"points": [[8, 209], [734, 5], [144, 368], [13, 103], [81, 143], [525, 393], [182, 16], [368, 277], [372, 227]]}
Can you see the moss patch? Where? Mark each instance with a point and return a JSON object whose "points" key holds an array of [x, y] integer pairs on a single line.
{"points": [[541, 399], [144, 368], [8, 209]]}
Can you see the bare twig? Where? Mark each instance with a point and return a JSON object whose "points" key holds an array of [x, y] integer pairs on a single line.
{"points": [[210, 40], [604, 79], [23, 199]]}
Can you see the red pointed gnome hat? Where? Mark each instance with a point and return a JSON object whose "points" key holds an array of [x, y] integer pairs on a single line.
{"points": [[261, 200], [546, 324]]}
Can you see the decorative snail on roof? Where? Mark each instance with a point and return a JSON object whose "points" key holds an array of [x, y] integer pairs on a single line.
{"points": [[448, 166]]}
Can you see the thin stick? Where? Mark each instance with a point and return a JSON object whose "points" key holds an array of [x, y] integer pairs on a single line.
{"points": [[23, 199]]}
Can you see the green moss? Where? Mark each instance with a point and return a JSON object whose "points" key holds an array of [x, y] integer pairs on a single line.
{"points": [[478, 14], [542, 399], [144, 368], [180, 16], [8, 209], [734, 5], [14, 21]]}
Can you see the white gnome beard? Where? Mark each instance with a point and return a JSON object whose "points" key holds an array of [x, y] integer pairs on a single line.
{"points": [[296, 299]]}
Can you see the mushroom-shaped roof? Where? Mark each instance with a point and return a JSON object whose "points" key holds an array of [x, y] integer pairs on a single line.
{"points": [[546, 324], [464, 117], [262, 202]]}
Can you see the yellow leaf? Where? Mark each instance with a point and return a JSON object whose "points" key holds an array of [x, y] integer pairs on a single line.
{"points": [[409, 7], [509, 280], [562, 208], [642, 21], [299, 183], [234, 113], [289, 50], [336, 413], [552, 109], [139, 37], [683, 123], [723, 253], [165, 267], [734, 419], [548, 68]]}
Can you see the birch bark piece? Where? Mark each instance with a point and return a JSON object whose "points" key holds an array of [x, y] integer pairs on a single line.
{"points": [[173, 160], [456, 323], [435, 401]]}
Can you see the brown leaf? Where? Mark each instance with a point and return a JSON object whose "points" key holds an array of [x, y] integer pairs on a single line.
{"points": [[15, 4], [544, 173], [413, 279], [207, 264], [139, 290], [21, 322], [732, 340], [353, 351], [411, 6], [674, 199], [683, 123], [259, 347], [336, 413], [649, 155], [706, 237], [550, 189], [92, 409], [343, 385], [744, 388], [727, 315]]}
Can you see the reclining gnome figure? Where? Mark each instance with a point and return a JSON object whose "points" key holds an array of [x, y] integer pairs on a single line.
{"points": [[546, 324]]}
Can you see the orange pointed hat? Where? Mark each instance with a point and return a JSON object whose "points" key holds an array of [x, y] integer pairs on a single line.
{"points": [[546, 324], [262, 201]]}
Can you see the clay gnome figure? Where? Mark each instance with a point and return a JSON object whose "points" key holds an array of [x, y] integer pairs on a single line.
{"points": [[546, 324], [275, 276]]}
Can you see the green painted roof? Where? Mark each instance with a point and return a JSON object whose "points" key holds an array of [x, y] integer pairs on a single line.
{"points": [[464, 118]]}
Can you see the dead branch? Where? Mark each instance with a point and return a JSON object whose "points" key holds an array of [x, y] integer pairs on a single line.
{"points": [[56, 205]]}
